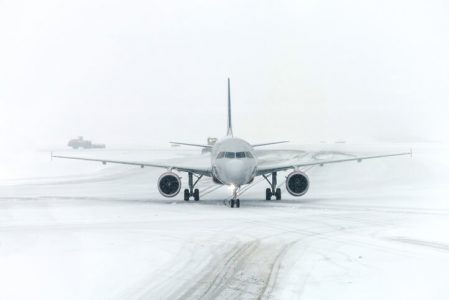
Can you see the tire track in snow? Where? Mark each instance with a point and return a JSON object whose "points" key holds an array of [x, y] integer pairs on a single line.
{"points": [[248, 270], [429, 244], [273, 275], [217, 279]]}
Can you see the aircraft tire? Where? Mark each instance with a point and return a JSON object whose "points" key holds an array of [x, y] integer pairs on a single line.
{"points": [[278, 194], [186, 195], [232, 203], [268, 194], [196, 195], [237, 203]]}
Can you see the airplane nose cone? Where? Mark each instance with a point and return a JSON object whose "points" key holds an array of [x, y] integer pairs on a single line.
{"points": [[236, 172]]}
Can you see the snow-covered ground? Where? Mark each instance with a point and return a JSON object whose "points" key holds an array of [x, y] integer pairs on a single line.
{"points": [[81, 230]]}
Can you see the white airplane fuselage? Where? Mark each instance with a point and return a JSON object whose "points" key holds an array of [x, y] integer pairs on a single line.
{"points": [[233, 161]]}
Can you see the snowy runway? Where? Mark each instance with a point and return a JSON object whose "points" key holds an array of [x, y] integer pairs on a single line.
{"points": [[376, 230]]}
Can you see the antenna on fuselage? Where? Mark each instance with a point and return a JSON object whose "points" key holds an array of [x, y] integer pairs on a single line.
{"points": [[229, 133]]}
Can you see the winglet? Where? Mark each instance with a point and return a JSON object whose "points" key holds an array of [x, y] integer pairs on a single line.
{"points": [[229, 131]]}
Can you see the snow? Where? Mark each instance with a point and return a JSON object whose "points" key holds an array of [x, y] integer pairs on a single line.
{"points": [[82, 230]]}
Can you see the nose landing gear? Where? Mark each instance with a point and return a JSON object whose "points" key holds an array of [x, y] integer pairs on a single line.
{"points": [[191, 192], [235, 201], [273, 191]]}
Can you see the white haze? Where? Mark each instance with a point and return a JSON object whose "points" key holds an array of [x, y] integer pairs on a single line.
{"points": [[146, 72]]}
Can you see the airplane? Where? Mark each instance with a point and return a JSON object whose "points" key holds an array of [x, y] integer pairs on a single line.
{"points": [[233, 162]]}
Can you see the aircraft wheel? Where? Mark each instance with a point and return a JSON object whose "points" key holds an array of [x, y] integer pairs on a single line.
{"points": [[232, 203], [186, 195], [237, 203], [196, 195], [268, 194], [278, 194]]}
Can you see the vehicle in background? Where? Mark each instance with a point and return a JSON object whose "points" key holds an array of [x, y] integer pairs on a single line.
{"points": [[210, 142], [80, 142]]}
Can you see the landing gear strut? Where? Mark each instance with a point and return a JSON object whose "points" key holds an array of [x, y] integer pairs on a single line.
{"points": [[191, 192], [235, 201], [273, 191]]}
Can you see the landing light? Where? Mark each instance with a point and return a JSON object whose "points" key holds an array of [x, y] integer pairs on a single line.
{"points": [[232, 187]]}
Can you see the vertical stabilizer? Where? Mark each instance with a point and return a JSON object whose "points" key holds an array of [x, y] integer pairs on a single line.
{"points": [[229, 132]]}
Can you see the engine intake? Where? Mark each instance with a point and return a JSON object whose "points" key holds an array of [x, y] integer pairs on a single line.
{"points": [[297, 183], [169, 184]]}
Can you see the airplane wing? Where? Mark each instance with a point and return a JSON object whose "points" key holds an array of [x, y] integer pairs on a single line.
{"points": [[271, 143], [196, 170], [282, 167], [189, 144]]}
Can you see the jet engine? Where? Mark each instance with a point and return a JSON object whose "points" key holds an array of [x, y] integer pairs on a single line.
{"points": [[297, 183], [169, 184]]}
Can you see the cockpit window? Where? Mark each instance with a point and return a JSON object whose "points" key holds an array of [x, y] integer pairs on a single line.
{"points": [[230, 154], [234, 155], [240, 155]]}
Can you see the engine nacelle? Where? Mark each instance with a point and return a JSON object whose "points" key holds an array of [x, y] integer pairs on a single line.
{"points": [[169, 184], [297, 183]]}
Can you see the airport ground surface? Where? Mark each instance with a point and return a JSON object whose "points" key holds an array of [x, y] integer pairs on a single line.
{"points": [[81, 230]]}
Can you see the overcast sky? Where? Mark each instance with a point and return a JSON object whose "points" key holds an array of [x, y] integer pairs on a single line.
{"points": [[146, 72]]}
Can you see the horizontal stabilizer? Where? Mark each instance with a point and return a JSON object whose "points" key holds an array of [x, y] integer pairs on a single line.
{"points": [[272, 143]]}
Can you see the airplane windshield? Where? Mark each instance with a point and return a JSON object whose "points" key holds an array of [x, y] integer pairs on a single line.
{"points": [[230, 154], [234, 155], [240, 155]]}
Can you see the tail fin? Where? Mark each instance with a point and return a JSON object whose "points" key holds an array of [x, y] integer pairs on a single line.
{"points": [[229, 133]]}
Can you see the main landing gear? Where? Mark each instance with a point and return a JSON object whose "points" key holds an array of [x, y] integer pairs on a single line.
{"points": [[191, 192], [235, 201], [273, 191]]}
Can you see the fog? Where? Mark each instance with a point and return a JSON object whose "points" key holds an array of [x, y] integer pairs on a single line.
{"points": [[146, 72]]}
